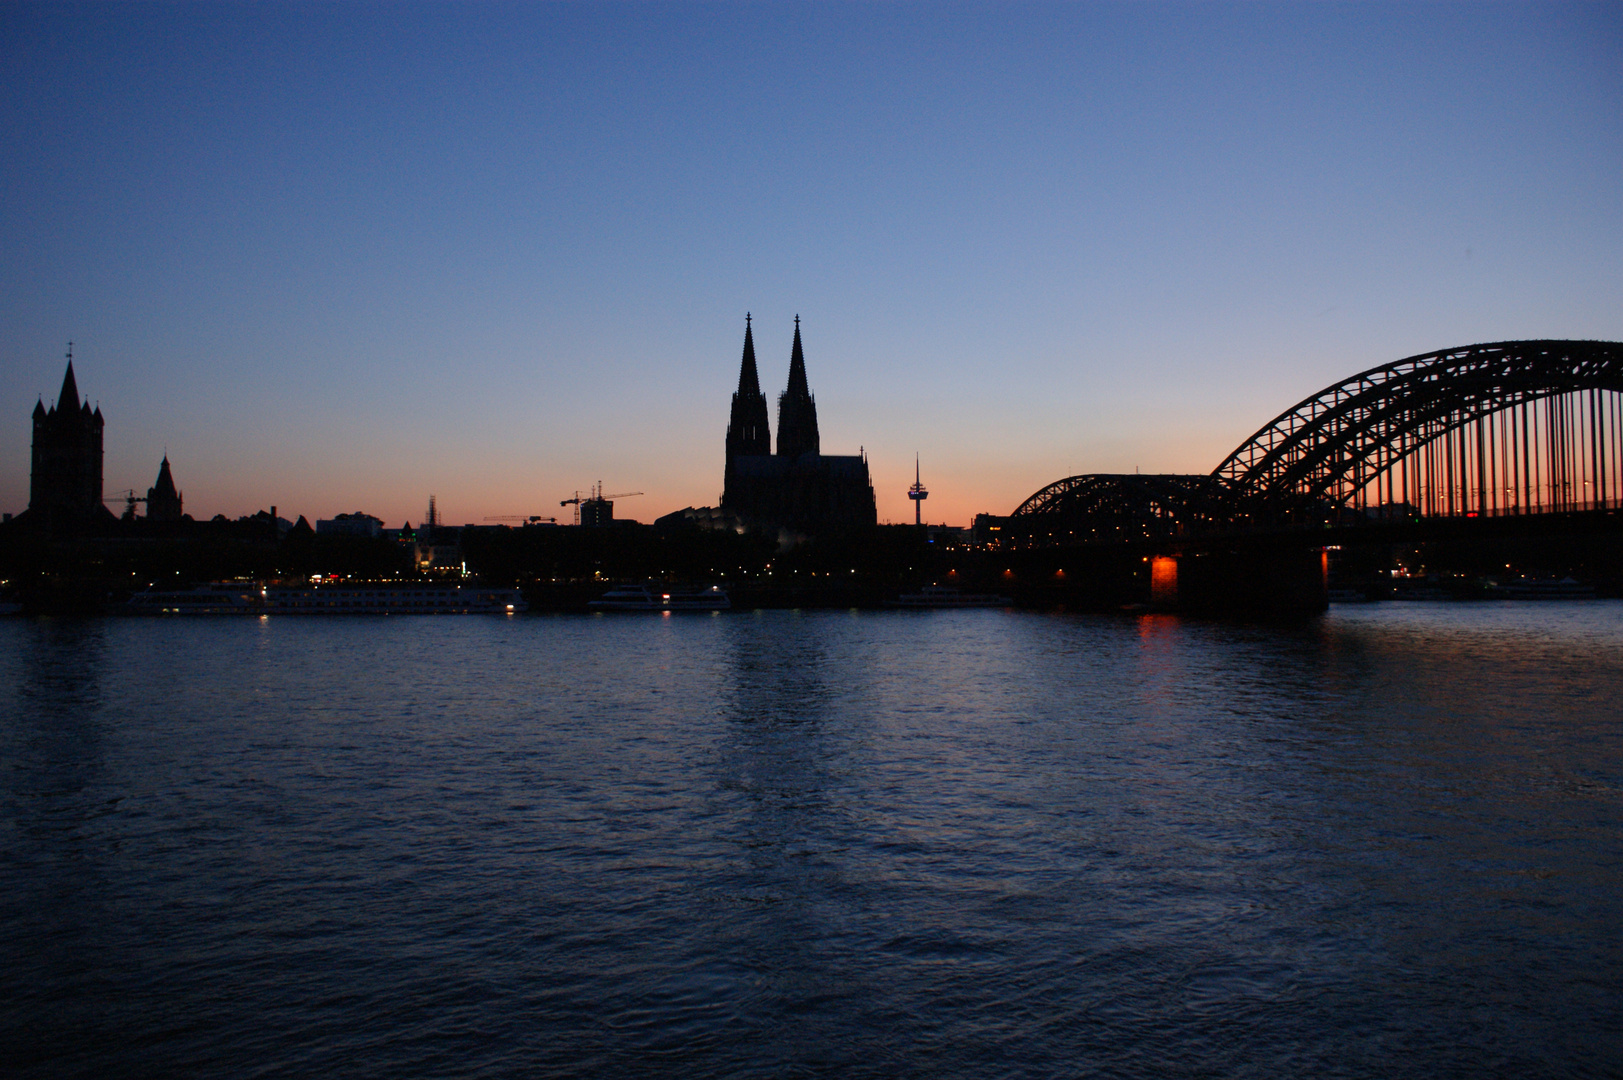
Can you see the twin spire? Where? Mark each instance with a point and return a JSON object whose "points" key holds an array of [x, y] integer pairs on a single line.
{"points": [[747, 432], [748, 381], [797, 367], [797, 409]]}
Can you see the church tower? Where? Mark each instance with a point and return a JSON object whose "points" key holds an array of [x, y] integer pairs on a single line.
{"points": [[66, 474], [163, 501], [747, 434], [797, 409]]}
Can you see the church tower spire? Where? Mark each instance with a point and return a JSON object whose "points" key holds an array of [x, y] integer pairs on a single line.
{"points": [[747, 434], [797, 367], [69, 395], [66, 473], [749, 381], [797, 409]]}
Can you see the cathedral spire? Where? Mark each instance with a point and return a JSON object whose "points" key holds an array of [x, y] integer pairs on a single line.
{"points": [[797, 409], [747, 434], [749, 381], [797, 367]]}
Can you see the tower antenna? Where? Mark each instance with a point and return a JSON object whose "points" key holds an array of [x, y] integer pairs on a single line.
{"points": [[918, 494]]}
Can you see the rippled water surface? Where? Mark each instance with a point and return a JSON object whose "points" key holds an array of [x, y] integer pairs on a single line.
{"points": [[912, 844]]}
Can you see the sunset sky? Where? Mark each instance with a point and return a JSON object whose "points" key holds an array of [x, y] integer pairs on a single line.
{"points": [[341, 256]]}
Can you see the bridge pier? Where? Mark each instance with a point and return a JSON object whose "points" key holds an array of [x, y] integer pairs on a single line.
{"points": [[1274, 580], [1265, 582]]}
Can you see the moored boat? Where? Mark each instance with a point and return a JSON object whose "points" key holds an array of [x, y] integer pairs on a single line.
{"points": [[660, 597], [1543, 589], [393, 598], [216, 598]]}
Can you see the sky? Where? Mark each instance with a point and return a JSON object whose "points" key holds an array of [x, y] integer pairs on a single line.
{"points": [[340, 257]]}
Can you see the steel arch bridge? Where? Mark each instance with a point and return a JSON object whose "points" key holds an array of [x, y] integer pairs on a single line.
{"points": [[1113, 507], [1450, 432], [1511, 427]]}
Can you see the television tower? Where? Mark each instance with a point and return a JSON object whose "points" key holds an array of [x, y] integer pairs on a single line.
{"points": [[917, 494]]}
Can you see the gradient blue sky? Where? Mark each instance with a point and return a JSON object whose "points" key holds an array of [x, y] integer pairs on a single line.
{"points": [[339, 257]]}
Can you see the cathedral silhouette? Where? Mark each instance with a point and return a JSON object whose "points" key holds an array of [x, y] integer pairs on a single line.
{"points": [[798, 491]]}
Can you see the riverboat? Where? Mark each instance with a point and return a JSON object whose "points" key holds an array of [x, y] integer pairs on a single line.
{"points": [[658, 597], [948, 596], [1543, 589], [217, 598], [391, 598]]}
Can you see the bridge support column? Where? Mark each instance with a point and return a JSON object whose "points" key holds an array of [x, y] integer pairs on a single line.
{"points": [[1263, 582], [1164, 581]]}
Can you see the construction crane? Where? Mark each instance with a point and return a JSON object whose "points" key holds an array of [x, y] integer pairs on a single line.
{"points": [[594, 496], [130, 499], [530, 519]]}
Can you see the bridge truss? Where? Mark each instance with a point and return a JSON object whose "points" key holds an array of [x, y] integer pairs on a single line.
{"points": [[1121, 507], [1507, 427], [1512, 427]]}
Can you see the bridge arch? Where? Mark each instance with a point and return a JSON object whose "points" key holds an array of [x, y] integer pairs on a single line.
{"points": [[1502, 427], [1115, 507]]}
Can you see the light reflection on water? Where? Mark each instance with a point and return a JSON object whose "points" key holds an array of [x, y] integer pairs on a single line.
{"points": [[791, 843]]}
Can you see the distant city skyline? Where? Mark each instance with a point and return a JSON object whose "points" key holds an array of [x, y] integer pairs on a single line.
{"points": [[340, 258]]}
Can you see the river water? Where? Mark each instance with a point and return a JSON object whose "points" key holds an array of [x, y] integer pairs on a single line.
{"points": [[1387, 842]]}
